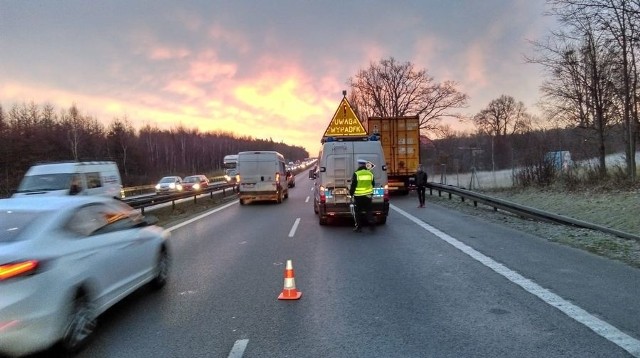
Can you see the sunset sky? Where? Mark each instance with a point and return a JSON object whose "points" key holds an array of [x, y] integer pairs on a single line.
{"points": [[269, 69]]}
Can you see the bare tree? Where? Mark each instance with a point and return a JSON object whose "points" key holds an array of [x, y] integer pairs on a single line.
{"points": [[120, 137], [503, 116], [579, 90], [618, 22], [392, 89]]}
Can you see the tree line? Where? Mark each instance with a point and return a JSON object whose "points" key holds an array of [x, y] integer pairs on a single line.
{"points": [[32, 133]]}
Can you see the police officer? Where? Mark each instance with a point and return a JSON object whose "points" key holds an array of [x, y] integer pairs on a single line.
{"points": [[361, 191]]}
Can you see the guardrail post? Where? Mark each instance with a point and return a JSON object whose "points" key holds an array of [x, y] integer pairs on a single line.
{"points": [[194, 199], [173, 205]]}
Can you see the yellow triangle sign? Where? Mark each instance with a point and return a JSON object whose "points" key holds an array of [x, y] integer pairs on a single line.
{"points": [[345, 123]]}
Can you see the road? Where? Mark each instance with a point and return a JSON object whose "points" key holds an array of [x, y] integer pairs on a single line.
{"points": [[432, 282]]}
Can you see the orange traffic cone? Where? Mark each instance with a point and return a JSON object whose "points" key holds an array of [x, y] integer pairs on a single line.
{"points": [[289, 292]]}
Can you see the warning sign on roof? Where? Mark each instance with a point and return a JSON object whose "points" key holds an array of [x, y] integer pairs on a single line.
{"points": [[345, 123]]}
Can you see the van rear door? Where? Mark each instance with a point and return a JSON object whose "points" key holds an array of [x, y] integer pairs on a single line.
{"points": [[338, 172]]}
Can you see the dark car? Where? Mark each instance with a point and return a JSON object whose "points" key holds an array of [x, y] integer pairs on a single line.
{"points": [[291, 179]]}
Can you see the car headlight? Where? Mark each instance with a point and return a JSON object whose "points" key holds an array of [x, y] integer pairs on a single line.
{"points": [[172, 185], [157, 186], [196, 186]]}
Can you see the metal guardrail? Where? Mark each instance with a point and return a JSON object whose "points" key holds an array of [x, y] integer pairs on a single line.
{"points": [[523, 210], [152, 200], [148, 189]]}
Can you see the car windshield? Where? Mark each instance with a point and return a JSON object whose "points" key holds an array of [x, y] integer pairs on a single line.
{"points": [[14, 223], [168, 180], [191, 180], [45, 182]]}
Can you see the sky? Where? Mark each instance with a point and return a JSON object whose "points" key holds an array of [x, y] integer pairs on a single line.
{"points": [[267, 69]]}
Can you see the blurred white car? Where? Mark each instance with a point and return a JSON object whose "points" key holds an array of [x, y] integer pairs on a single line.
{"points": [[64, 261]]}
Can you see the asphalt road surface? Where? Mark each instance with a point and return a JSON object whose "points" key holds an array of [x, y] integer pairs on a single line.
{"points": [[432, 282]]}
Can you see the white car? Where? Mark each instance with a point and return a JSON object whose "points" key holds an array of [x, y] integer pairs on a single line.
{"points": [[64, 261], [169, 185]]}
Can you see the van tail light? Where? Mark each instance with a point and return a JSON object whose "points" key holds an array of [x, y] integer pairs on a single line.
{"points": [[277, 177], [385, 195], [238, 178], [16, 269], [323, 195]]}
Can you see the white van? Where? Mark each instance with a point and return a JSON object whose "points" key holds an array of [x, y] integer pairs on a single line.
{"points": [[72, 178], [336, 165], [261, 175]]}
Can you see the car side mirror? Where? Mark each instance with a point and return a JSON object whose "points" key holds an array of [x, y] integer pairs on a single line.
{"points": [[312, 175]]}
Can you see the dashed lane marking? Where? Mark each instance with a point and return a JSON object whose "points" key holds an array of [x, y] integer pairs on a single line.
{"points": [[238, 348], [294, 227]]}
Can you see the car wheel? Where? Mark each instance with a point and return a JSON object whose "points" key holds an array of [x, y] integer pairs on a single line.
{"points": [[322, 220], [242, 202], [286, 194], [279, 198], [161, 270], [382, 220], [315, 208], [82, 323]]}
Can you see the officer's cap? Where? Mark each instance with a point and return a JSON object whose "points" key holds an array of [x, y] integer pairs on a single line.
{"points": [[362, 161]]}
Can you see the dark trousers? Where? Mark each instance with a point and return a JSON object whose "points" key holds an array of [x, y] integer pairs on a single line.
{"points": [[421, 190], [364, 216]]}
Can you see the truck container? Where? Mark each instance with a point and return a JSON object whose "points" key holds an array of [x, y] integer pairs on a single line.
{"points": [[400, 138]]}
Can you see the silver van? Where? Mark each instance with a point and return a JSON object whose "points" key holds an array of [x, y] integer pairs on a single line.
{"points": [[72, 178], [336, 163], [261, 175]]}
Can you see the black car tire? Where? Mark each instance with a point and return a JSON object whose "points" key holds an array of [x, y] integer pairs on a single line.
{"points": [[161, 270], [82, 324]]}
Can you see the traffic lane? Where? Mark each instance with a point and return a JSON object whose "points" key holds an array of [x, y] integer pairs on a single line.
{"points": [[350, 301], [601, 286], [398, 292], [224, 268]]}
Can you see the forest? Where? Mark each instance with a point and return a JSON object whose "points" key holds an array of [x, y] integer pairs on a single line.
{"points": [[32, 133]]}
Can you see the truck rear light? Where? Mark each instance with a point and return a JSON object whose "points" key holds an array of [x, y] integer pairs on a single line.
{"points": [[323, 195], [385, 196], [16, 269], [238, 178], [277, 177]]}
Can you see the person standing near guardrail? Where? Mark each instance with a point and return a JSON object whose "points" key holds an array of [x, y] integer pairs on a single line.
{"points": [[421, 185]]}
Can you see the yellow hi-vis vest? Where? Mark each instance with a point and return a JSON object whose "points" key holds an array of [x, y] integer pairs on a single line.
{"points": [[365, 183]]}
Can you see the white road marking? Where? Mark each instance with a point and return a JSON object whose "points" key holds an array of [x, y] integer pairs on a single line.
{"points": [[306, 200], [238, 348], [597, 325], [294, 227], [175, 227]]}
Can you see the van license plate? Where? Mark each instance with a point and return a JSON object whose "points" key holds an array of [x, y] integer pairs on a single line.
{"points": [[340, 191]]}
